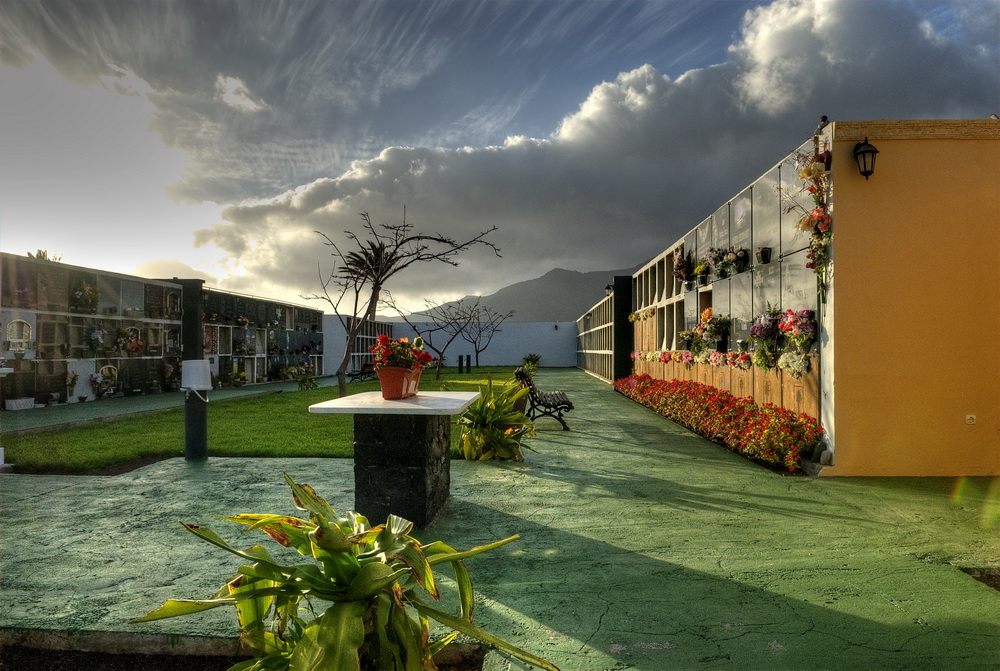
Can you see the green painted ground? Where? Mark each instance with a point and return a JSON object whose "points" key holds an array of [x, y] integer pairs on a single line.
{"points": [[643, 547]]}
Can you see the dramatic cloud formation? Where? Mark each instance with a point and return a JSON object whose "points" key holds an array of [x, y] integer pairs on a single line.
{"points": [[272, 120], [645, 157]]}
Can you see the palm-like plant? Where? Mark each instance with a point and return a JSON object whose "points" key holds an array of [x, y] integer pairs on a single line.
{"points": [[354, 607], [492, 428]]}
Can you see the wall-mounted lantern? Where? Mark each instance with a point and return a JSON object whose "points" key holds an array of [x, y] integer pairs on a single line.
{"points": [[864, 154], [608, 290]]}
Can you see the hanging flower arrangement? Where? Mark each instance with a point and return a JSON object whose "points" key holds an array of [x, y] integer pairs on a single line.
{"points": [[817, 222], [739, 360], [799, 329], [718, 259], [765, 336], [682, 266], [84, 295], [95, 340], [642, 315], [795, 364]]}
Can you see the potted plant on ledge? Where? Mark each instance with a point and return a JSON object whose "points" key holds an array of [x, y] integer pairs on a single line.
{"points": [[398, 364]]}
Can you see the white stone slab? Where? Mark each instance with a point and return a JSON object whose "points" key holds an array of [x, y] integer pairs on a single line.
{"points": [[424, 403]]}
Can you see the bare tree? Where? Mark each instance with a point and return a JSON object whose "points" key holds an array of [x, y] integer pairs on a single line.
{"points": [[355, 286], [442, 325], [485, 324]]}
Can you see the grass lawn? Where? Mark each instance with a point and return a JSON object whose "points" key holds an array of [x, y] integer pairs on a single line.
{"points": [[268, 425]]}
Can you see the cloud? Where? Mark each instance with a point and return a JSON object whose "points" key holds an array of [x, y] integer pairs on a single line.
{"points": [[643, 159], [235, 93], [264, 108], [170, 268]]}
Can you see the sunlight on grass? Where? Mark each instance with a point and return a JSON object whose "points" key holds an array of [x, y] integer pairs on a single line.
{"points": [[266, 425]]}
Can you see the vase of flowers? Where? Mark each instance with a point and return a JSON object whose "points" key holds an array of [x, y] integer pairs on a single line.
{"points": [[742, 261], [799, 329], [398, 364], [701, 271], [765, 335]]}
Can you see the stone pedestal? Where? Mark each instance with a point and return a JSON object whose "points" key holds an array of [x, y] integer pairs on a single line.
{"points": [[401, 466], [402, 452]]}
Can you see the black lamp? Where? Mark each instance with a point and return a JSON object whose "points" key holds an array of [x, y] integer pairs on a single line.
{"points": [[864, 154], [608, 290]]}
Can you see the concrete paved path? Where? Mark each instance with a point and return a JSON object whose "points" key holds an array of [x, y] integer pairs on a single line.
{"points": [[643, 547]]}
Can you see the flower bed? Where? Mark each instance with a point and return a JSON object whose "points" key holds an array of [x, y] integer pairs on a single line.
{"points": [[764, 433]]}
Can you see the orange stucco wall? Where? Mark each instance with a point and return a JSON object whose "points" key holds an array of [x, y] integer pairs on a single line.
{"points": [[916, 300]]}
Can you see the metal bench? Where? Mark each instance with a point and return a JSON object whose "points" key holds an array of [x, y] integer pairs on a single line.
{"points": [[548, 404], [367, 372]]}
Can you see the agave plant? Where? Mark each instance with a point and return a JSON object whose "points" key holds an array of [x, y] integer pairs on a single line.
{"points": [[492, 427], [356, 606]]}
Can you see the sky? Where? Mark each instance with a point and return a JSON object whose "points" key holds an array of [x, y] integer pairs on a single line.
{"points": [[213, 139]]}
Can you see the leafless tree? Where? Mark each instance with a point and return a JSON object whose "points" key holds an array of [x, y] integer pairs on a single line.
{"points": [[440, 325], [355, 285], [485, 324]]}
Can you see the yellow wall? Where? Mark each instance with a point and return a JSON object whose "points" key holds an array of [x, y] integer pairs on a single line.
{"points": [[916, 300]]}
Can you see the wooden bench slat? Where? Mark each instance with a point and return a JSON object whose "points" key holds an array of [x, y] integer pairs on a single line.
{"points": [[551, 404]]}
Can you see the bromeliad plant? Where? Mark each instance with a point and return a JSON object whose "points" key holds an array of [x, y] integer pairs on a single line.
{"points": [[530, 363], [356, 606], [492, 427]]}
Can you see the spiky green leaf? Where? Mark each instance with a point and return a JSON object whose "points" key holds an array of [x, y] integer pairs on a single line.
{"points": [[176, 607], [470, 629], [331, 641]]}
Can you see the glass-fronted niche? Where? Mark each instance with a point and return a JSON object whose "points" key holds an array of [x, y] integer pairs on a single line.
{"points": [[759, 222]]}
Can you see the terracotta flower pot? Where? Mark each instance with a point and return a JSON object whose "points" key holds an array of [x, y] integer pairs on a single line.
{"points": [[399, 383]]}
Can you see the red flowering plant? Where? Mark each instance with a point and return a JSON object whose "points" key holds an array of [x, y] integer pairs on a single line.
{"points": [[739, 360], [763, 433], [400, 353]]}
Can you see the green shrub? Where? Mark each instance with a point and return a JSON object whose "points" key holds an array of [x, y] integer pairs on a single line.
{"points": [[492, 427], [356, 606]]}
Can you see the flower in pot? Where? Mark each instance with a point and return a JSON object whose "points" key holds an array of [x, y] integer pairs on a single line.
{"points": [[398, 364], [795, 364], [701, 271], [400, 353], [742, 260], [682, 266], [718, 263], [799, 329], [765, 335]]}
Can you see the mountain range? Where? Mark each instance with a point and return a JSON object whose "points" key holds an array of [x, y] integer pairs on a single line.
{"points": [[557, 296]]}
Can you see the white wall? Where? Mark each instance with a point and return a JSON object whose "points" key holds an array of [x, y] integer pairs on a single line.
{"points": [[334, 339], [554, 341]]}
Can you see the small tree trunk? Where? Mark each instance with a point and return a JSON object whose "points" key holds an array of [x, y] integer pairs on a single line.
{"points": [[342, 370]]}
